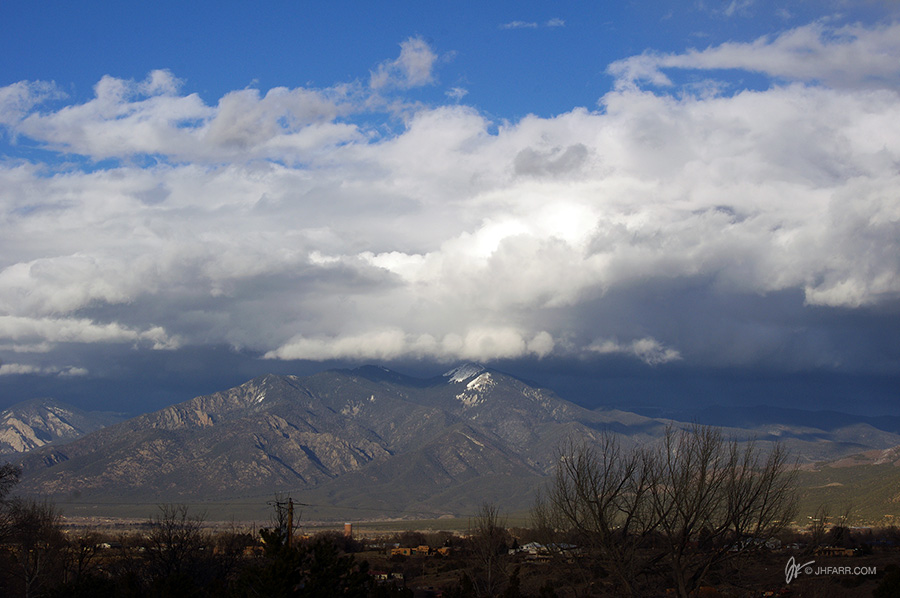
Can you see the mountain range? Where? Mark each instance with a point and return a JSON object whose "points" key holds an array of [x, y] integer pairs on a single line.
{"points": [[368, 439]]}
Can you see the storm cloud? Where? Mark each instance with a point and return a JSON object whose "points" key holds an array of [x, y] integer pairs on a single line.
{"points": [[667, 224]]}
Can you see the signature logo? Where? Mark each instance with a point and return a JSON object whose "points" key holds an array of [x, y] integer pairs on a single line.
{"points": [[792, 569]]}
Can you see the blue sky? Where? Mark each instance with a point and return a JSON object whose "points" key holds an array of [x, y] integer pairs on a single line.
{"points": [[513, 58], [655, 195]]}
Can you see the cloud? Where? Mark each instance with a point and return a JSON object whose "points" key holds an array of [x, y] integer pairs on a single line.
{"points": [[13, 369], [24, 331], [128, 118], [17, 100], [160, 82], [245, 120], [841, 57], [292, 224], [413, 68], [519, 25], [557, 161], [554, 22], [456, 93], [391, 344], [648, 350], [737, 7]]}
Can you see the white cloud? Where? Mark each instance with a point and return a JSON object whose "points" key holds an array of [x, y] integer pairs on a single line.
{"points": [[648, 350], [554, 22], [850, 56], [126, 118], [120, 121], [13, 369], [24, 330], [737, 7], [456, 93], [160, 82], [413, 68], [482, 343], [18, 99], [519, 25], [244, 120]]}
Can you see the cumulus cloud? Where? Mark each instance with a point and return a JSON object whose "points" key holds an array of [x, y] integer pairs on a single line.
{"points": [[128, 118], [388, 344], [271, 223]]}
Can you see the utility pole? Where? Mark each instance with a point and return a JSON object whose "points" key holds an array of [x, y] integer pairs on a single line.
{"points": [[290, 534], [284, 518]]}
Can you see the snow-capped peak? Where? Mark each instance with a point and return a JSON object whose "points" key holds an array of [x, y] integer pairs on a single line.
{"points": [[481, 383], [463, 372]]}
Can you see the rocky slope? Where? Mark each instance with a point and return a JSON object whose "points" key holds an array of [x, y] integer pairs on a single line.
{"points": [[38, 422]]}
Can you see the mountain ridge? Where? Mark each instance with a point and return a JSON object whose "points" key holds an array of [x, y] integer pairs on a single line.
{"points": [[39, 422], [366, 437]]}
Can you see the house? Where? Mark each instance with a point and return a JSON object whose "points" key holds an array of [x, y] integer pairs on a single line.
{"points": [[380, 576], [109, 545], [834, 551]]}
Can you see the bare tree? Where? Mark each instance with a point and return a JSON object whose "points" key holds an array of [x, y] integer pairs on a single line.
{"points": [[36, 544], [489, 540], [600, 497], [175, 538], [81, 555], [9, 477], [715, 499], [678, 509], [839, 534]]}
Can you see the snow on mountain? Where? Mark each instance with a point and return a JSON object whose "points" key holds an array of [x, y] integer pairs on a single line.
{"points": [[481, 383], [463, 372], [476, 389]]}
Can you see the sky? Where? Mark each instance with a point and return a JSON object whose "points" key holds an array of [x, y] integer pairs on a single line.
{"points": [[668, 203]]}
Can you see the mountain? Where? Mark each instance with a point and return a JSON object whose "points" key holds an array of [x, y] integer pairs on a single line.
{"points": [[756, 416], [865, 484], [367, 438], [35, 423]]}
